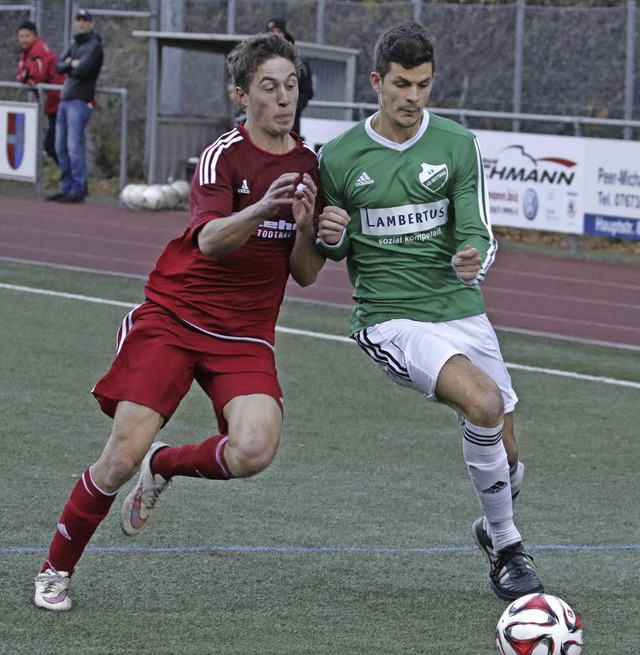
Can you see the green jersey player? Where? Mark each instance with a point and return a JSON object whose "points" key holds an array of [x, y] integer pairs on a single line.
{"points": [[406, 206]]}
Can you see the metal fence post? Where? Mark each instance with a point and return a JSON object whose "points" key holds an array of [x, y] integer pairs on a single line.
{"points": [[417, 10], [231, 17], [124, 108], [40, 141], [517, 62], [320, 13], [629, 66]]}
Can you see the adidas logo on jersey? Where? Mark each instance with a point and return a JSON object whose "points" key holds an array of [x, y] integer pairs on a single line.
{"points": [[364, 179], [244, 188]]}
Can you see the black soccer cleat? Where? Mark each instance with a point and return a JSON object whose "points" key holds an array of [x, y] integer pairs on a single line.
{"points": [[512, 574]]}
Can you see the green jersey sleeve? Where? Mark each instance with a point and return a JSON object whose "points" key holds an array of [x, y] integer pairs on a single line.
{"points": [[470, 206], [332, 196]]}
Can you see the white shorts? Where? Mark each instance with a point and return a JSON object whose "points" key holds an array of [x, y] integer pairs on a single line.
{"points": [[412, 353]]}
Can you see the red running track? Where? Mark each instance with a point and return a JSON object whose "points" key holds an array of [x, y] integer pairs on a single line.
{"points": [[567, 297]]}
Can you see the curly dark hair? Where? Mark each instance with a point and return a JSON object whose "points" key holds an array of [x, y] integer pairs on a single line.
{"points": [[409, 45]]}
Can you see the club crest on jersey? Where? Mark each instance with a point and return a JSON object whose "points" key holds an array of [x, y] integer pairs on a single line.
{"points": [[244, 188], [433, 176]]}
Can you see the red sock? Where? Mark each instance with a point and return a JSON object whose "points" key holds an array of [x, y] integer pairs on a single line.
{"points": [[202, 460], [81, 515]]}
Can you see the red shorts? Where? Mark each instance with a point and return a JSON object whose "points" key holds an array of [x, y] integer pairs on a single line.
{"points": [[159, 357]]}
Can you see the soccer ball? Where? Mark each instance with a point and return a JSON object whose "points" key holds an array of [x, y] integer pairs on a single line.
{"points": [[182, 187], [131, 195], [170, 197], [153, 198], [539, 624]]}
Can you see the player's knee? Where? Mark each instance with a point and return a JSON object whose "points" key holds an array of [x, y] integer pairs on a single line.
{"points": [[251, 455], [486, 408], [115, 469]]}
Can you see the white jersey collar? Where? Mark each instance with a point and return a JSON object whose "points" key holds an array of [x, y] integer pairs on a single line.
{"points": [[392, 144]]}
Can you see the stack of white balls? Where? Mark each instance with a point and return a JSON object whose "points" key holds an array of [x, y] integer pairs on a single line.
{"points": [[155, 196]]}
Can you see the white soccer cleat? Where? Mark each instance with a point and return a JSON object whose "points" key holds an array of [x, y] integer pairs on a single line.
{"points": [[52, 590], [141, 500]]}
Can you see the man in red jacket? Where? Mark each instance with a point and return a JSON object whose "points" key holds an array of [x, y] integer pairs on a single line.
{"points": [[36, 65]]}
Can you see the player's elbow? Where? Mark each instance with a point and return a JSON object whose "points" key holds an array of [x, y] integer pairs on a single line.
{"points": [[305, 271], [304, 279], [210, 246]]}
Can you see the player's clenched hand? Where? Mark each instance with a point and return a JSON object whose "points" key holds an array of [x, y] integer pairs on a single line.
{"points": [[332, 223], [304, 200], [278, 194], [466, 263]]}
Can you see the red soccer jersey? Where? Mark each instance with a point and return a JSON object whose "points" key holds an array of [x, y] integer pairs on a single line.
{"points": [[237, 295]]}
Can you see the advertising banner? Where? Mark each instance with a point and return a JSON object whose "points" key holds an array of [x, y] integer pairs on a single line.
{"points": [[18, 141], [612, 193], [535, 181]]}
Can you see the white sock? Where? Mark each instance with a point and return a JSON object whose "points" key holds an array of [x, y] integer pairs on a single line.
{"points": [[486, 460], [516, 474]]}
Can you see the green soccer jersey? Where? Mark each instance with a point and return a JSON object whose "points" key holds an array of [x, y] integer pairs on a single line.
{"points": [[412, 206]]}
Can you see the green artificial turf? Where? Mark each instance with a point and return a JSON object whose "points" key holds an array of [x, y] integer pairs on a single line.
{"points": [[356, 541]]}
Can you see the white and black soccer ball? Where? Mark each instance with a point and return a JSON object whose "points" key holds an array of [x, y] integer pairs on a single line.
{"points": [[182, 187], [539, 624], [170, 197], [153, 198], [131, 195]]}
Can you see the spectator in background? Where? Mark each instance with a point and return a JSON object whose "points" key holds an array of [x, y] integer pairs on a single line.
{"points": [[305, 82], [36, 65], [81, 62]]}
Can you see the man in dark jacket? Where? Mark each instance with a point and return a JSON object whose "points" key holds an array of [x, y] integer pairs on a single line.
{"points": [[305, 81], [81, 62], [36, 65]]}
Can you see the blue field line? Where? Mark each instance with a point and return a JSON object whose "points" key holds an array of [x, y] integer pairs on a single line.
{"points": [[295, 550]]}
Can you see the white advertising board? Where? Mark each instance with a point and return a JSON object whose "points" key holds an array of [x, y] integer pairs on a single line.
{"points": [[317, 131], [534, 181], [18, 141], [612, 192]]}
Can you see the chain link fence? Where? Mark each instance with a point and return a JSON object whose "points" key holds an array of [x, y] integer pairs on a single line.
{"points": [[560, 58]]}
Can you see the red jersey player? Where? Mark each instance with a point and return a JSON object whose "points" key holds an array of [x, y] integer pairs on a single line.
{"points": [[210, 313]]}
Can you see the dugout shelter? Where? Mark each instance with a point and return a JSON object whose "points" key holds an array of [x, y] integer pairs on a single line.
{"points": [[187, 101]]}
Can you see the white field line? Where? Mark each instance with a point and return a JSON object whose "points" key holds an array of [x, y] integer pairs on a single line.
{"points": [[319, 335]]}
